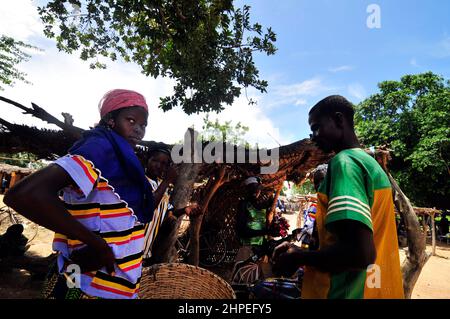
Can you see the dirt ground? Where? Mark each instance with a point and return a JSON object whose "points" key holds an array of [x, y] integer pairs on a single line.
{"points": [[434, 280]]}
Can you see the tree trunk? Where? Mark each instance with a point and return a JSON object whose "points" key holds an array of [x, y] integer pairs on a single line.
{"points": [[183, 188], [181, 196], [196, 221], [417, 257]]}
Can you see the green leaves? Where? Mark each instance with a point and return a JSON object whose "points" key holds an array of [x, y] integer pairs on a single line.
{"points": [[226, 132], [12, 53], [206, 46], [412, 116]]}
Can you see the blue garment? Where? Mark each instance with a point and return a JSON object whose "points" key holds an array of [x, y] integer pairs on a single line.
{"points": [[115, 158]]}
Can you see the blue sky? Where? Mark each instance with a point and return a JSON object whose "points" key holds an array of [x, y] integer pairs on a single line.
{"points": [[330, 41], [324, 47]]}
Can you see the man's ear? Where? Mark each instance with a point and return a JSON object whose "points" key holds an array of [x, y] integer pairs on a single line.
{"points": [[339, 119]]}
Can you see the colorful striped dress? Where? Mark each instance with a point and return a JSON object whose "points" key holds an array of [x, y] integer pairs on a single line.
{"points": [[96, 205], [159, 214]]}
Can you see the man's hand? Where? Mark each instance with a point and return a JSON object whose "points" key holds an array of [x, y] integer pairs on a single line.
{"points": [[192, 210], [281, 248], [286, 259]]}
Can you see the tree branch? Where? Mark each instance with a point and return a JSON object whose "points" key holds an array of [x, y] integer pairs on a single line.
{"points": [[417, 257], [42, 114]]}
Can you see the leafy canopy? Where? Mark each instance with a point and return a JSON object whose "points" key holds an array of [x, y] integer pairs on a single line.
{"points": [[207, 46], [412, 117], [12, 52], [304, 189]]}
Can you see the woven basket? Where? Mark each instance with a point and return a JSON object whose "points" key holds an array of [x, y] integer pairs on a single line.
{"points": [[182, 281]]}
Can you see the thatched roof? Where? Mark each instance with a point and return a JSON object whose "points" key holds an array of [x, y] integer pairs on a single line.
{"points": [[423, 211], [426, 211], [8, 169]]}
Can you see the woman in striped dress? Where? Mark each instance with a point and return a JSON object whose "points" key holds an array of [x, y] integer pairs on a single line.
{"points": [[106, 202]]}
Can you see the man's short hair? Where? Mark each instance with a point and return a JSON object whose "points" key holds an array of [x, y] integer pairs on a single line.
{"points": [[333, 104]]}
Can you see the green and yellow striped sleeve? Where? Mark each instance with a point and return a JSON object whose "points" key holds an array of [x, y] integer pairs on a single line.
{"points": [[347, 193]]}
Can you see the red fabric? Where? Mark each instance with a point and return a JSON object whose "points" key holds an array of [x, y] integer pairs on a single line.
{"points": [[119, 98]]}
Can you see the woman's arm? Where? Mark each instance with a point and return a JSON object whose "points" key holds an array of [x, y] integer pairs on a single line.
{"points": [[36, 198]]}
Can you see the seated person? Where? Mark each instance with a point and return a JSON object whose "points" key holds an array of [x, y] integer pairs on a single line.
{"points": [[251, 219]]}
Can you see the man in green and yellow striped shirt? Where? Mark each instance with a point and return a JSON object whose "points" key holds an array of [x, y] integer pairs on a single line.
{"points": [[358, 248]]}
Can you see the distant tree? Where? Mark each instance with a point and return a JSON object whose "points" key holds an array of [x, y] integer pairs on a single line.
{"points": [[12, 52], [215, 131], [412, 117], [207, 46], [306, 188]]}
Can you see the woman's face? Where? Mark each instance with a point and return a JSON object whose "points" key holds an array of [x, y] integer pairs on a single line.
{"points": [[131, 123], [157, 165]]}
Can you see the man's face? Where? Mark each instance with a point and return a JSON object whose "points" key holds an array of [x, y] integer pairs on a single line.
{"points": [[131, 123], [325, 133], [158, 164]]}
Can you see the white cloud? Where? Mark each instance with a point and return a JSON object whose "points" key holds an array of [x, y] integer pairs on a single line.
{"points": [[413, 62], [341, 68], [64, 83], [357, 90], [261, 128], [19, 19], [296, 94], [300, 102], [308, 87]]}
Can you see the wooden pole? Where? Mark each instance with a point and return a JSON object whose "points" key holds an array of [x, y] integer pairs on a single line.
{"points": [[196, 221], [14, 179], [433, 234]]}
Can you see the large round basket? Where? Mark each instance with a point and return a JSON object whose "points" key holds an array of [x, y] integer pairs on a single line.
{"points": [[182, 281]]}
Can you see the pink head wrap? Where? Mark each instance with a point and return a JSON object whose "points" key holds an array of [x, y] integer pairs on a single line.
{"points": [[118, 99]]}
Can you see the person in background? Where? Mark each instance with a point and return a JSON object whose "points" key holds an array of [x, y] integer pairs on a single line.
{"points": [[251, 219], [310, 227], [161, 175]]}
